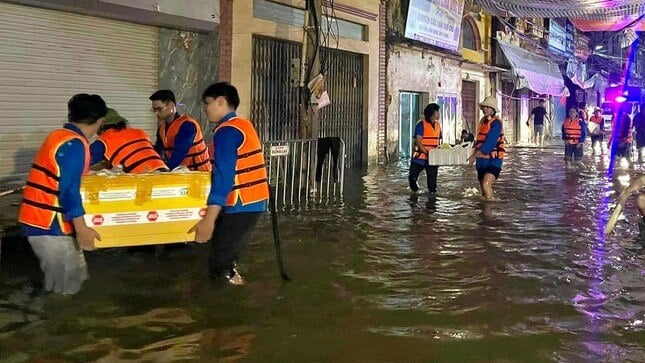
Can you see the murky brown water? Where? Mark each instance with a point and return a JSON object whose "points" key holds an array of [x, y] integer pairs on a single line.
{"points": [[384, 277]]}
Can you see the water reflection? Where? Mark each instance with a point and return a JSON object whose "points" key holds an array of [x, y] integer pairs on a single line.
{"points": [[384, 276]]}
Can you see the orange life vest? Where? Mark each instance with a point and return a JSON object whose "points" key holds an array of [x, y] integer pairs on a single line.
{"points": [[197, 157], [40, 204], [250, 185], [572, 131], [430, 139], [132, 149], [498, 151]]}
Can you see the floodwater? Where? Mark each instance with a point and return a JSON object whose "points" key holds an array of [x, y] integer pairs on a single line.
{"points": [[381, 277]]}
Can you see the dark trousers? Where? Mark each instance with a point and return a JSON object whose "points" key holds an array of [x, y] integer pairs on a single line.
{"points": [[624, 149], [231, 233], [431, 173], [325, 146]]}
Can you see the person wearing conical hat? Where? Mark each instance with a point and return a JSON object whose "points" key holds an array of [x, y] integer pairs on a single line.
{"points": [[596, 128], [488, 156], [120, 145]]}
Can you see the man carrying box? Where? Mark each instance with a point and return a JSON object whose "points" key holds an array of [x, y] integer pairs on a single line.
{"points": [[427, 135], [239, 188], [179, 137], [130, 148], [51, 211]]}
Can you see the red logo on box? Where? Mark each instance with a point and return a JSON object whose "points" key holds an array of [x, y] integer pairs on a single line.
{"points": [[97, 220], [152, 216], [202, 212]]}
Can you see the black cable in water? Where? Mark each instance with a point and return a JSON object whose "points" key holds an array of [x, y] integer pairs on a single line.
{"points": [[276, 236]]}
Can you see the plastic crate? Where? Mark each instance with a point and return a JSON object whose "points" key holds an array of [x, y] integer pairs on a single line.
{"points": [[457, 155]]}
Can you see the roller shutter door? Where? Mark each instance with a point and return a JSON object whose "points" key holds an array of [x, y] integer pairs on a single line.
{"points": [[47, 56]]}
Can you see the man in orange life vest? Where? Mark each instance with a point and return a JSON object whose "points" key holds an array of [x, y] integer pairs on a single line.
{"points": [[51, 211], [130, 148], [427, 135], [574, 133], [488, 156], [239, 188], [179, 137]]}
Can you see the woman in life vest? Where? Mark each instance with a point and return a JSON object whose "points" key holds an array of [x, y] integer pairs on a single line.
{"points": [[427, 136], [596, 128], [488, 156], [119, 145], [574, 133]]}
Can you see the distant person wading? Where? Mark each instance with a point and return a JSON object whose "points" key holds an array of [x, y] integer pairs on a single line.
{"points": [[427, 136]]}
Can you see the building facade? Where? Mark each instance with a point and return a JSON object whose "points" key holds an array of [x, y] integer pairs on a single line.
{"points": [[51, 50], [266, 43], [456, 77]]}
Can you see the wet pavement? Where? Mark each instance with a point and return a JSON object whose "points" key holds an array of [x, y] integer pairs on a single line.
{"points": [[384, 276]]}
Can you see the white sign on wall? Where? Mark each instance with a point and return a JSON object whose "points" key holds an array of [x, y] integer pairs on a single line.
{"points": [[279, 150], [435, 22]]}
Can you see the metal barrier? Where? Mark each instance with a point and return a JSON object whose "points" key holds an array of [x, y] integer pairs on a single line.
{"points": [[291, 170]]}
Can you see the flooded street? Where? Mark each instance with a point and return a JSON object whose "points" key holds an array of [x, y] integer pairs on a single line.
{"points": [[382, 277]]}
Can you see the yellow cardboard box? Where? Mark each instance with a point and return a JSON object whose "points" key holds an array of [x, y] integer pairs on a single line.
{"points": [[144, 209]]}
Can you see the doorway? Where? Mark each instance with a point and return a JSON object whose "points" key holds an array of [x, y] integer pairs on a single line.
{"points": [[409, 114]]}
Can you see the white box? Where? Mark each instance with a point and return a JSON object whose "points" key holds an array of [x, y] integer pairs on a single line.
{"points": [[457, 155]]}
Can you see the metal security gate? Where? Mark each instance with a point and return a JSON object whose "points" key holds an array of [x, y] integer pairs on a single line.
{"points": [[274, 96], [344, 117], [47, 56]]}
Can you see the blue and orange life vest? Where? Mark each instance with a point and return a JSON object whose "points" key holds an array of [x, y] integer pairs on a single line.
{"points": [[431, 135], [499, 151], [41, 204], [250, 185], [197, 157], [572, 131], [132, 149]]}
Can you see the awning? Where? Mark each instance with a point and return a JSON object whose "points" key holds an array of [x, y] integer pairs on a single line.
{"points": [[608, 25], [536, 73], [613, 11]]}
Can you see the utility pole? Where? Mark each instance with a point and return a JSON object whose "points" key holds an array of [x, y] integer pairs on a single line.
{"points": [[310, 68]]}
